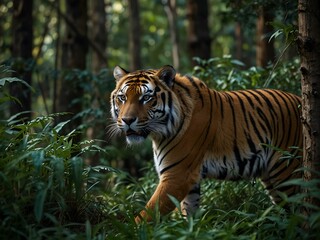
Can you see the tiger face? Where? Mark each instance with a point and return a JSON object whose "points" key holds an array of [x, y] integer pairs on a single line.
{"points": [[143, 104]]}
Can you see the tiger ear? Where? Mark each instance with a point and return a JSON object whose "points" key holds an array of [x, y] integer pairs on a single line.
{"points": [[119, 72], [167, 74]]}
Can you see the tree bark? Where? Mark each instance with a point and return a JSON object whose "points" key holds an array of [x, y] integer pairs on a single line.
{"points": [[74, 51], [99, 34], [134, 35], [199, 41], [22, 44], [239, 41], [309, 48], [170, 8], [265, 46], [56, 58]]}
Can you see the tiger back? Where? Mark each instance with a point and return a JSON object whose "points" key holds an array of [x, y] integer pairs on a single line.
{"points": [[199, 133]]}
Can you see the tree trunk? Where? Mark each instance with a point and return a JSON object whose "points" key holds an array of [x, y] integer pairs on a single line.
{"points": [[99, 33], [134, 35], [22, 43], [199, 41], [239, 41], [74, 51], [56, 58], [265, 47], [309, 48], [99, 36], [170, 8]]}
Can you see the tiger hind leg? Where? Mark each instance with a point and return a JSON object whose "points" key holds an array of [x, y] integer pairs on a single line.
{"points": [[191, 202]]}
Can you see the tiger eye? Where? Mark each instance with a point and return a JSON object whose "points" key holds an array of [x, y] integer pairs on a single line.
{"points": [[146, 98], [122, 97]]}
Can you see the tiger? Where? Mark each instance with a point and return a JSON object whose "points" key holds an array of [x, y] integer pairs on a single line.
{"points": [[199, 133]]}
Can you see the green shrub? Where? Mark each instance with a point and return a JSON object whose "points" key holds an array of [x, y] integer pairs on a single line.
{"points": [[227, 73]]}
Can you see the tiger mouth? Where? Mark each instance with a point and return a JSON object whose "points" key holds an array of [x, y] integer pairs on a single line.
{"points": [[132, 133]]}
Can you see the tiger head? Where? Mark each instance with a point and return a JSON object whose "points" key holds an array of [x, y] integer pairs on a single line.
{"points": [[143, 104]]}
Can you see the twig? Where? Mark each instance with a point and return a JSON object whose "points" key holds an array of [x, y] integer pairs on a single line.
{"points": [[74, 28]]}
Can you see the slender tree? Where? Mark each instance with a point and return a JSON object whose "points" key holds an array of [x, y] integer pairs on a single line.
{"points": [[309, 48], [199, 41], [56, 57], [239, 41], [74, 52], [265, 46], [99, 33], [99, 36], [170, 7], [134, 35], [22, 44]]}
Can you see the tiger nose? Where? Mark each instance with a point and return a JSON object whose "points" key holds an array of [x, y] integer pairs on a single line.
{"points": [[128, 120]]}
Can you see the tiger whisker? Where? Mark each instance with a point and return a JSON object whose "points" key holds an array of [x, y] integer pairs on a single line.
{"points": [[113, 130]]}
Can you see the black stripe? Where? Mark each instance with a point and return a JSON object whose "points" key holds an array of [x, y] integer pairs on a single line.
{"points": [[243, 108], [144, 81], [163, 99], [230, 101], [197, 88], [295, 101], [288, 116], [211, 114], [280, 173], [217, 94], [277, 166], [185, 88], [249, 99], [273, 152], [257, 132], [114, 104], [169, 142], [264, 118], [223, 171], [280, 108], [270, 108], [171, 166], [241, 162], [172, 120], [253, 93]]}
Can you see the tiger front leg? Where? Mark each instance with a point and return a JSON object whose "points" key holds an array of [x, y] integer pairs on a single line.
{"points": [[176, 186]]}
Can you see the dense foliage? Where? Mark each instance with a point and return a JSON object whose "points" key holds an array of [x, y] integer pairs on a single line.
{"points": [[227, 73]]}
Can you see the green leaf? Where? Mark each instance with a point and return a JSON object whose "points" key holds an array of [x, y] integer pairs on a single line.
{"points": [[175, 202], [3, 81], [37, 158], [237, 62], [60, 126], [39, 203], [77, 169], [58, 171], [16, 118], [88, 230]]}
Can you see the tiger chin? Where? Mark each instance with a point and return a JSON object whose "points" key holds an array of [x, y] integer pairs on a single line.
{"points": [[200, 133]]}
